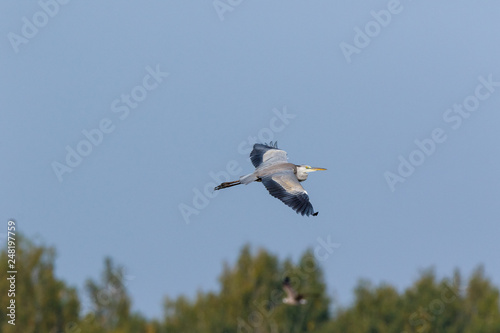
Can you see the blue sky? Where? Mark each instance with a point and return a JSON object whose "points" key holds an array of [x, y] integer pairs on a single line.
{"points": [[171, 92]]}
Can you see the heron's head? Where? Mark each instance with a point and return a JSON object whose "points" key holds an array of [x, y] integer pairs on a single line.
{"points": [[303, 170]]}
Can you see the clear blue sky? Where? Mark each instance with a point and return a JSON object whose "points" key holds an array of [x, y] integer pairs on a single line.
{"points": [[356, 101]]}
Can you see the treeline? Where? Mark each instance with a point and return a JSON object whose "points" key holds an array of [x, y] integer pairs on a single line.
{"points": [[250, 300]]}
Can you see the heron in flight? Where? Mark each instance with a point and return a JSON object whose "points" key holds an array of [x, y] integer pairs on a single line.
{"points": [[282, 179]]}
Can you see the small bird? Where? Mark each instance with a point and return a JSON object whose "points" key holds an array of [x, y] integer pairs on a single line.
{"points": [[282, 179], [292, 297]]}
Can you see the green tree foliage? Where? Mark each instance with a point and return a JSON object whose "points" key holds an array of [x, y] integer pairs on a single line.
{"points": [[109, 298], [250, 298], [43, 302], [110, 308], [427, 306], [481, 304]]}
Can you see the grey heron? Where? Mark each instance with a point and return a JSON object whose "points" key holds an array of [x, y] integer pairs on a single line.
{"points": [[281, 179], [292, 297]]}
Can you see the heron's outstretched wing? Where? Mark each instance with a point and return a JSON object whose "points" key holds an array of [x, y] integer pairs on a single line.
{"points": [[285, 186], [267, 154]]}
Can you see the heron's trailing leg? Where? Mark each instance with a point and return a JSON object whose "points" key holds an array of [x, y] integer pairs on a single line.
{"points": [[227, 184]]}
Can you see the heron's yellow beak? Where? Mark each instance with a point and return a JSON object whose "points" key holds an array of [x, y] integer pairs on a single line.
{"points": [[317, 169]]}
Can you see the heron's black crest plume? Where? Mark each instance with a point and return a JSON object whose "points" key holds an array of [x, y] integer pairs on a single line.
{"points": [[271, 144]]}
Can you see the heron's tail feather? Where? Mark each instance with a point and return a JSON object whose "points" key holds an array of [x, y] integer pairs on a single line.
{"points": [[248, 179]]}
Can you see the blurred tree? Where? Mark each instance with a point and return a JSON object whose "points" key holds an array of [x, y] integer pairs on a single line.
{"points": [[43, 302], [251, 296], [250, 300], [306, 278], [110, 301], [374, 310], [481, 304], [427, 306], [111, 304]]}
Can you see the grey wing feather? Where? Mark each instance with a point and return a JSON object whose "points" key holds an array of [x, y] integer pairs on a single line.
{"points": [[267, 154], [285, 186]]}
